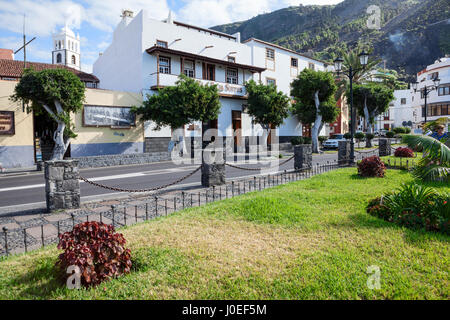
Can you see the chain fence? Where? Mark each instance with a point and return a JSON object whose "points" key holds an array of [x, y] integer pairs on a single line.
{"points": [[257, 169], [35, 236]]}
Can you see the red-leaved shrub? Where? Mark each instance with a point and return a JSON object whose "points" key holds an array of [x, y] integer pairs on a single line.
{"points": [[371, 167], [97, 250], [404, 152]]}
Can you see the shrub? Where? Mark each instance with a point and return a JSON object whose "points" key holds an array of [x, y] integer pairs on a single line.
{"points": [[377, 208], [322, 139], [404, 153], [390, 134], [347, 135], [371, 167], [359, 136], [296, 141], [370, 136], [399, 130], [307, 140], [407, 130], [96, 249]]}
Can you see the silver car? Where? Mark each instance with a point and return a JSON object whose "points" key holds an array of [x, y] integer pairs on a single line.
{"points": [[333, 142]]}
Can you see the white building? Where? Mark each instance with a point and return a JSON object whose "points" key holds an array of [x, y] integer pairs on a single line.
{"points": [[147, 54], [438, 101], [66, 48]]}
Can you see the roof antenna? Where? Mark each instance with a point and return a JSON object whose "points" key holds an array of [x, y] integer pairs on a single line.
{"points": [[169, 18]]}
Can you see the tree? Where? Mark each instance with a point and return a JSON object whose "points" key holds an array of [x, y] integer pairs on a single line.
{"points": [[371, 99], [314, 93], [57, 92], [178, 105], [266, 105], [435, 164]]}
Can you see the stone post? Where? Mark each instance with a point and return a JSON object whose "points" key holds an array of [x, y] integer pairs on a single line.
{"points": [[62, 187], [302, 156], [213, 166], [343, 152], [384, 147]]}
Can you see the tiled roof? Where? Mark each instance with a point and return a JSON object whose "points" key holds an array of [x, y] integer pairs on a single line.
{"points": [[14, 69]]}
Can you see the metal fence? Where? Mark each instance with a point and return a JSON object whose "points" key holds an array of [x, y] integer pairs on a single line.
{"points": [[26, 239]]}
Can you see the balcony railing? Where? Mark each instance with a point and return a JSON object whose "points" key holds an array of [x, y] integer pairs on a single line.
{"points": [[159, 80]]}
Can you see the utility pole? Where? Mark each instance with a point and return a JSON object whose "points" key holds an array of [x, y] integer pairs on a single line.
{"points": [[24, 47]]}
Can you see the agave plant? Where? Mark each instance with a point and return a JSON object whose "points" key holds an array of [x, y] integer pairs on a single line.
{"points": [[435, 164]]}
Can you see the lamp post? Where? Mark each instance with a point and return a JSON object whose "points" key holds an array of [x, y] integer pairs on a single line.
{"points": [[426, 91], [350, 73]]}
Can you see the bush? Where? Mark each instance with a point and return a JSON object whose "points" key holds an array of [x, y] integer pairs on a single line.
{"points": [[404, 153], [390, 134], [414, 206], [347, 135], [307, 140], [371, 167], [359, 136], [322, 139], [399, 130], [97, 250], [370, 136], [407, 130], [296, 141]]}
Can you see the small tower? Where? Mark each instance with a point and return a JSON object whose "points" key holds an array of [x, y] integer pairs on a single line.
{"points": [[66, 48]]}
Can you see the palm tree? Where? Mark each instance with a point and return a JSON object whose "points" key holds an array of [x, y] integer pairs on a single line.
{"points": [[435, 164]]}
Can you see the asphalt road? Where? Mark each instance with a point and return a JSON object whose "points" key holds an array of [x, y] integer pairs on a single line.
{"points": [[20, 189]]}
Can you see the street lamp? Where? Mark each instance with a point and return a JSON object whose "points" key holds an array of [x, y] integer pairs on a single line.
{"points": [[350, 73], [426, 90]]}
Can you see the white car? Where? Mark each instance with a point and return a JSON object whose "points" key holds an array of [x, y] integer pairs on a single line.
{"points": [[333, 142]]}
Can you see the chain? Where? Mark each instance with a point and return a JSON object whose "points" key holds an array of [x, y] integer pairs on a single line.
{"points": [[256, 169], [140, 190], [370, 151]]}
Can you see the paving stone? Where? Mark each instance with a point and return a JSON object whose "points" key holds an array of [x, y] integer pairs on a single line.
{"points": [[96, 217], [100, 209], [27, 217], [49, 230], [57, 217], [10, 226], [110, 203]]}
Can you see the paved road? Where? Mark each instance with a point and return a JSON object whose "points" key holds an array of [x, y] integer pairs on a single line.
{"points": [[29, 188]]}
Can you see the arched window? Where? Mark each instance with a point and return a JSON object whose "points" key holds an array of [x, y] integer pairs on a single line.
{"points": [[74, 60], [58, 58], [56, 45], [59, 44]]}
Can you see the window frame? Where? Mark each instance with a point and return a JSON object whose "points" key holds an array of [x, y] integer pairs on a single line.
{"points": [[169, 67], [273, 54], [296, 62], [271, 79], [186, 70], [166, 44], [231, 59], [236, 77]]}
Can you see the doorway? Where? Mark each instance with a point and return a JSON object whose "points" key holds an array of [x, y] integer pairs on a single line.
{"points": [[237, 126]]}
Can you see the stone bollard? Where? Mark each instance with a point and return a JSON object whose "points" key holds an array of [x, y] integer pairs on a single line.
{"points": [[344, 152], [62, 187], [302, 156], [384, 147], [213, 170]]}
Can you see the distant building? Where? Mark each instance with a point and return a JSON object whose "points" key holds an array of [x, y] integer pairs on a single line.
{"points": [[66, 49], [401, 113]]}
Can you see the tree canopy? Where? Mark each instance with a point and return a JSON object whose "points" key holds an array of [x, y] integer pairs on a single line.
{"points": [[178, 105], [266, 105], [57, 92]]}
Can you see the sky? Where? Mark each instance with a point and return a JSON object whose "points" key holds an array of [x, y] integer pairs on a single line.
{"points": [[95, 20]]}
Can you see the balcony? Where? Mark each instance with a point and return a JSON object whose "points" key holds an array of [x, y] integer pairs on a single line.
{"points": [[161, 80]]}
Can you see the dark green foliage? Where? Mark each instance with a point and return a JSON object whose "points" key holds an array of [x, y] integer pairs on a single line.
{"points": [[390, 134], [303, 89], [359, 136], [178, 105], [322, 139], [300, 140], [414, 206], [347, 135], [370, 136], [266, 105], [37, 88]]}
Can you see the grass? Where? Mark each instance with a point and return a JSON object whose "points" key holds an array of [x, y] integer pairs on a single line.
{"points": [[309, 239]]}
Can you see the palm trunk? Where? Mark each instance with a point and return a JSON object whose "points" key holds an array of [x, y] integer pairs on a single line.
{"points": [[316, 126]]}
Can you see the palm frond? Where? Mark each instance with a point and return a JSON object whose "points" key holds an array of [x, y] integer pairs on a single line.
{"points": [[432, 148]]}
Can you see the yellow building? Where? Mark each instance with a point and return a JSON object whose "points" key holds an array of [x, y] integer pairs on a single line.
{"points": [[105, 126]]}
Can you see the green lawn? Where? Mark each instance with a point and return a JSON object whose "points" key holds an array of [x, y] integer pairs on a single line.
{"points": [[309, 239]]}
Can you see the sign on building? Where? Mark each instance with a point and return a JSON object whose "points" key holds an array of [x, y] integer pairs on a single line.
{"points": [[7, 122]]}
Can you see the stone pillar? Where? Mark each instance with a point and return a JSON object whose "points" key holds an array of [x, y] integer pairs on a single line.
{"points": [[213, 168], [343, 152], [302, 156], [384, 147], [62, 187]]}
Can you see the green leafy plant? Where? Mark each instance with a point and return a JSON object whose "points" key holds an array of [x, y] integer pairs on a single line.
{"points": [[399, 130], [322, 139], [347, 135], [296, 141], [390, 134], [435, 164], [359, 136]]}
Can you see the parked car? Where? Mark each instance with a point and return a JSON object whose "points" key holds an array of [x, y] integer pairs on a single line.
{"points": [[333, 142]]}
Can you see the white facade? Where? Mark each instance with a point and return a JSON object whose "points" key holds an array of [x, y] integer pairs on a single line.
{"points": [[66, 48], [438, 101], [147, 54]]}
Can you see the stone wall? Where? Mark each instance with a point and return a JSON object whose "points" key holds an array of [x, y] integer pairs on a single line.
{"points": [[62, 187], [121, 159], [302, 156], [156, 144]]}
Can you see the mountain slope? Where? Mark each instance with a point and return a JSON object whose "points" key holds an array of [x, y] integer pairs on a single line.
{"points": [[413, 34]]}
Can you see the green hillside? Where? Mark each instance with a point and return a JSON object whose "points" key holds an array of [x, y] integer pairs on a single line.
{"points": [[413, 34]]}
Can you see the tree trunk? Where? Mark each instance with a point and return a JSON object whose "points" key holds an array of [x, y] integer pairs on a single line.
{"points": [[366, 114], [316, 126], [58, 136], [266, 133]]}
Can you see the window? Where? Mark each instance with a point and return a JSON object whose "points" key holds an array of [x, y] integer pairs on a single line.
{"points": [[108, 116], [74, 60], [232, 76], [294, 62], [270, 54], [162, 44], [90, 85], [271, 81], [311, 66], [403, 101], [164, 65], [209, 72], [433, 75], [444, 91], [189, 68], [58, 58], [231, 59]]}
